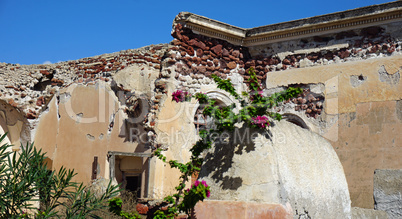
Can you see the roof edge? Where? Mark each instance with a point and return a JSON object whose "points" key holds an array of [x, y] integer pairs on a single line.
{"points": [[336, 16], [322, 24]]}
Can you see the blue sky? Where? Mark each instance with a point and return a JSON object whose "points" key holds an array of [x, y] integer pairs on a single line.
{"points": [[38, 31]]}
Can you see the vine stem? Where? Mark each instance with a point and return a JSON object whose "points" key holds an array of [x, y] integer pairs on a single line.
{"points": [[185, 178]]}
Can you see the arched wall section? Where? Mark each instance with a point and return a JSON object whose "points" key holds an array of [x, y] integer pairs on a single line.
{"points": [[14, 124], [285, 165]]}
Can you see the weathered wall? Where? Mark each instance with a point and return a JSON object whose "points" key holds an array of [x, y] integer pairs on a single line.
{"points": [[343, 46], [85, 123], [288, 165], [363, 213], [14, 124], [351, 81], [3, 131], [362, 122], [79, 109], [388, 192], [241, 210]]}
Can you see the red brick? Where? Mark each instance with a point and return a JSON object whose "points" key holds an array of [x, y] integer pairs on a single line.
{"points": [[142, 209]]}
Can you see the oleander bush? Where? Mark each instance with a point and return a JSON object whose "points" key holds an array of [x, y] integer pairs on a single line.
{"points": [[25, 183]]}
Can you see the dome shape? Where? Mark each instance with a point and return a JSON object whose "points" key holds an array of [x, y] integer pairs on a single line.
{"points": [[283, 165]]}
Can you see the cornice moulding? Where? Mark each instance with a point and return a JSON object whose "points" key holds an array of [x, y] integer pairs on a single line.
{"points": [[319, 25]]}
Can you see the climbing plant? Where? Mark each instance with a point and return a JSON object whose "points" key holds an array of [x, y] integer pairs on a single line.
{"points": [[255, 111]]}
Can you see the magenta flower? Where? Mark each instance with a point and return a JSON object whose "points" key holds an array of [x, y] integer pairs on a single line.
{"points": [[200, 188], [177, 96], [260, 121], [180, 96]]}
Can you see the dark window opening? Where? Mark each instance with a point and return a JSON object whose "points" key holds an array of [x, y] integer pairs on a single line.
{"points": [[94, 168], [133, 184]]}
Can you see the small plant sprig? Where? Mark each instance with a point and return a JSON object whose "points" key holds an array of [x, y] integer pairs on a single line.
{"points": [[255, 110], [115, 206]]}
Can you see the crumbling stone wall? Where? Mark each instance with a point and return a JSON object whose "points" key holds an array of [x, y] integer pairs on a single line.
{"points": [[345, 46]]}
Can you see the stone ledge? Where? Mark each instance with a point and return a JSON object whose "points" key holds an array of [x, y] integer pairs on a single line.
{"points": [[234, 209], [363, 213]]}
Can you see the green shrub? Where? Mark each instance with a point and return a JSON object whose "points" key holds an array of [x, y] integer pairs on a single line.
{"points": [[25, 180]]}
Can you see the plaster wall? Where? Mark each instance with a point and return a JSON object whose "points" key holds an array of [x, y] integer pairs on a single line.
{"points": [[287, 165], [13, 122], [388, 192], [362, 121], [90, 122], [3, 130]]}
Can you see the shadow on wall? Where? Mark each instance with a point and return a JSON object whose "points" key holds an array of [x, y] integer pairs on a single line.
{"points": [[219, 160], [133, 130], [286, 165]]}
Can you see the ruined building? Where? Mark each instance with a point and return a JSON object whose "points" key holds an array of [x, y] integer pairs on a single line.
{"points": [[103, 116]]}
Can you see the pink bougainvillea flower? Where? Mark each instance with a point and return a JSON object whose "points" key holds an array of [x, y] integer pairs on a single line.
{"points": [[180, 96], [177, 96], [196, 183], [260, 121], [204, 183], [208, 193]]}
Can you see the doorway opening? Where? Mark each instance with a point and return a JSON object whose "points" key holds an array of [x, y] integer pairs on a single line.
{"points": [[133, 183], [131, 170]]}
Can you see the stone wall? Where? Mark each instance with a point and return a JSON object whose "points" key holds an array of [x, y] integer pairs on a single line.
{"points": [[362, 213], [352, 45], [388, 192]]}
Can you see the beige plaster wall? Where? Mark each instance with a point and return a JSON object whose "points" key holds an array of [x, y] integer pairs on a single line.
{"points": [[175, 131], [85, 122], [77, 126], [3, 130], [362, 120], [287, 165], [14, 124]]}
